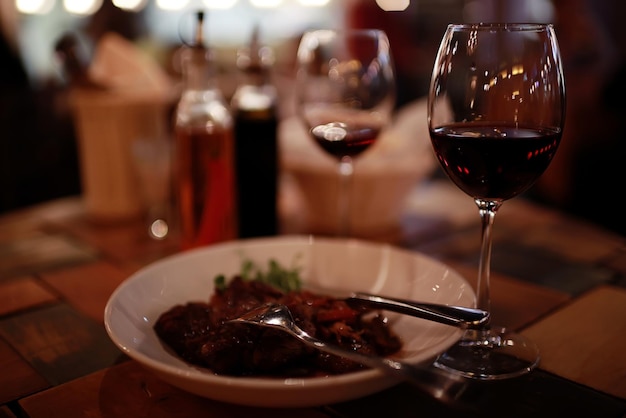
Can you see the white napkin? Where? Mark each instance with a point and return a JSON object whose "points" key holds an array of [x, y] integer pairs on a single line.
{"points": [[118, 65]]}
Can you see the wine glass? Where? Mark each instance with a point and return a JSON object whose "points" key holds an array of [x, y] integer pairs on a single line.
{"points": [[495, 114], [345, 94]]}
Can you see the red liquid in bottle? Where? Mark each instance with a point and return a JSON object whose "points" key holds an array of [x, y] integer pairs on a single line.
{"points": [[205, 186]]}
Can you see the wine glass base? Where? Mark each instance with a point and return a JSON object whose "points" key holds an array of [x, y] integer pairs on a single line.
{"points": [[491, 354]]}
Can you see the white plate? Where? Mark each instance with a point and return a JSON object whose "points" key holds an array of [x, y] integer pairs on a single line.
{"points": [[136, 304]]}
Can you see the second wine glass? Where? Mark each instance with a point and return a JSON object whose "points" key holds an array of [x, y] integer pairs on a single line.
{"points": [[345, 95]]}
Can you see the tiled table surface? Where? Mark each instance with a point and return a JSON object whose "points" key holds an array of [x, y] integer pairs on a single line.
{"points": [[557, 280]]}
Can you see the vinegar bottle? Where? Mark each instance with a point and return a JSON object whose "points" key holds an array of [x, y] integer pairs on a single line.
{"points": [[254, 106], [203, 153]]}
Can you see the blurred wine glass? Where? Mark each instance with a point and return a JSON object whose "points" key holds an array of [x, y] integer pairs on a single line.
{"points": [[495, 115], [345, 93]]}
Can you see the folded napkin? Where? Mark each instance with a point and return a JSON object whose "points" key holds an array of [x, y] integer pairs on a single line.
{"points": [[119, 66]]}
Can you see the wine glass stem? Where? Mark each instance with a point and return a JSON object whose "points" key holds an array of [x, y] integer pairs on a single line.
{"points": [[487, 210], [346, 171]]}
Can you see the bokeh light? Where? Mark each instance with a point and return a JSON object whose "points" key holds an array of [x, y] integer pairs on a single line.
{"points": [[34, 6], [82, 7]]}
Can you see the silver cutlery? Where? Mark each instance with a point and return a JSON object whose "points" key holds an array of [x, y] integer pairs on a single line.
{"points": [[458, 316], [438, 383]]}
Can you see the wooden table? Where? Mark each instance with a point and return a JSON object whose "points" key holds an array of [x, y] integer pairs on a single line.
{"points": [[556, 279]]}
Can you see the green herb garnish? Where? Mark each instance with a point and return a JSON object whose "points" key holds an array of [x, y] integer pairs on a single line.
{"points": [[285, 279], [220, 282]]}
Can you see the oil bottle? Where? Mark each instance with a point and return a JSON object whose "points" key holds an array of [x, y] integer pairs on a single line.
{"points": [[204, 178]]}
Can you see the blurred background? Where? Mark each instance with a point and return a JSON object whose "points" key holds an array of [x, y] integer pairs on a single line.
{"points": [[38, 148]]}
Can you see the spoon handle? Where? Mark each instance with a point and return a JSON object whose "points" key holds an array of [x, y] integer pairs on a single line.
{"points": [[458, 316]]}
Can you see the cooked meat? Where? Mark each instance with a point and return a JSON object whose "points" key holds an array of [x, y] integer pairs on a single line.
{"points": [[197, 333]]}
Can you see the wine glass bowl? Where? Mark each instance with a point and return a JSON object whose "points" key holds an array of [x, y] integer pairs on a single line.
{"points": [[384, 179], [495, 116], [345, 95], [493, 161]]}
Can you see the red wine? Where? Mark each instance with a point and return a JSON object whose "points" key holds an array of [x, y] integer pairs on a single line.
{"points": [[340, 139], [494, 161]]}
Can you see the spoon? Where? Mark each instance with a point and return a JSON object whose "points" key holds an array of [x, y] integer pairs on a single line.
{"points": [[439, 384], [458, 316]]}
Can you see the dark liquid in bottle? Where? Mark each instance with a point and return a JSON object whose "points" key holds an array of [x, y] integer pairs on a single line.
{"points": [[205, 184], [341, 140], [256, 160], [494, 161]]}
